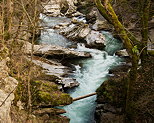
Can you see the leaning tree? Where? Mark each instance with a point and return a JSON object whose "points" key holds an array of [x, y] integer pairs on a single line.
{"points": [[137, 49]]}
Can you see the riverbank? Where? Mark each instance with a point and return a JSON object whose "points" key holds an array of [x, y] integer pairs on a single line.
{"points": [[111, 97], [31, 85]]}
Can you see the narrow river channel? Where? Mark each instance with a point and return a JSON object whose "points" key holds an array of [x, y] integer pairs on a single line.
{"points": [[90, 73]]}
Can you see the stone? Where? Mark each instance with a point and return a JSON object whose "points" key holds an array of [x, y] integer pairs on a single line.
{"points": [[52, 9], [46, 94], [58, 70], [68, 82], [51, 111], [52, 69], [92, 16], [95, 39], [54, 51], [122, 53], [62, 25], [76, 31], [101, 25], [76, 14], [72, 8], [84, 32], [56, 8]]}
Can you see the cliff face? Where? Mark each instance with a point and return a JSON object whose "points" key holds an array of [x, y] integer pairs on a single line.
{"points": [[7, 86]]}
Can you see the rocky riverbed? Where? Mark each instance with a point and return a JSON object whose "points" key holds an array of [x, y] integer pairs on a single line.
{"points": [[73, 26]]}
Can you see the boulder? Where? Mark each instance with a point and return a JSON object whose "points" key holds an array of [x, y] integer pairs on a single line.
{"points": [[92, 15], [101, 25], [82, 33], [76, 31], [95, 39], [122, 53], [68, 83], [50, 111], [76, 14], [58, 70], [56, 8], [52, 8], [54, 51], [71, 8], [61, 25], [47, 94]]}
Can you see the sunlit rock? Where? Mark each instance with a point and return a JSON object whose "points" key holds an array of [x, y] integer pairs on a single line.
{"points": [[101, 25], [54, 51], [51, 67], [122, 53], [7, 86], [95, 39]]}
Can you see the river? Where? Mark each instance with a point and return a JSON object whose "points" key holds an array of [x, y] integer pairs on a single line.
{"points": [[90, 73]]}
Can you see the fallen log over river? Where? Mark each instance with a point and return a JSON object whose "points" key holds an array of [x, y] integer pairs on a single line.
{"points": [[85, 96]]}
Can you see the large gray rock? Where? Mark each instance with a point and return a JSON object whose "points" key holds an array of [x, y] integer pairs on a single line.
{"points": [[56, 8], [76, 31], [53, 51], [92, 15], [101, 25], [7, 87], [95, 39], [51, 67], [61, 26], [52, 7], [81, 32], [122, 53]]}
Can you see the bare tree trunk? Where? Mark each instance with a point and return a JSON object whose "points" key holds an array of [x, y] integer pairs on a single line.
{"points": [[144, 8]]}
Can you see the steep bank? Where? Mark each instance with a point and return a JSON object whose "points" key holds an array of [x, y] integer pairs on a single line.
{"points": [[8, 85], [28, 90], [111, 97]]}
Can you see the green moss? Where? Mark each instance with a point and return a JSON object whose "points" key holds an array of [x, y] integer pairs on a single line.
{"points": [[113, 91], [151, 52], [47, 93], [44, 96], [51, 78], [44, 93], [4, 53], [20, 92], [52, 99]]}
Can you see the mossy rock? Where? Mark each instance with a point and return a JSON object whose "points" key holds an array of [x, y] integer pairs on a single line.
{"points": [[20, 116], [151, 52], [46, 77], [113, 90], [47, 94]]}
